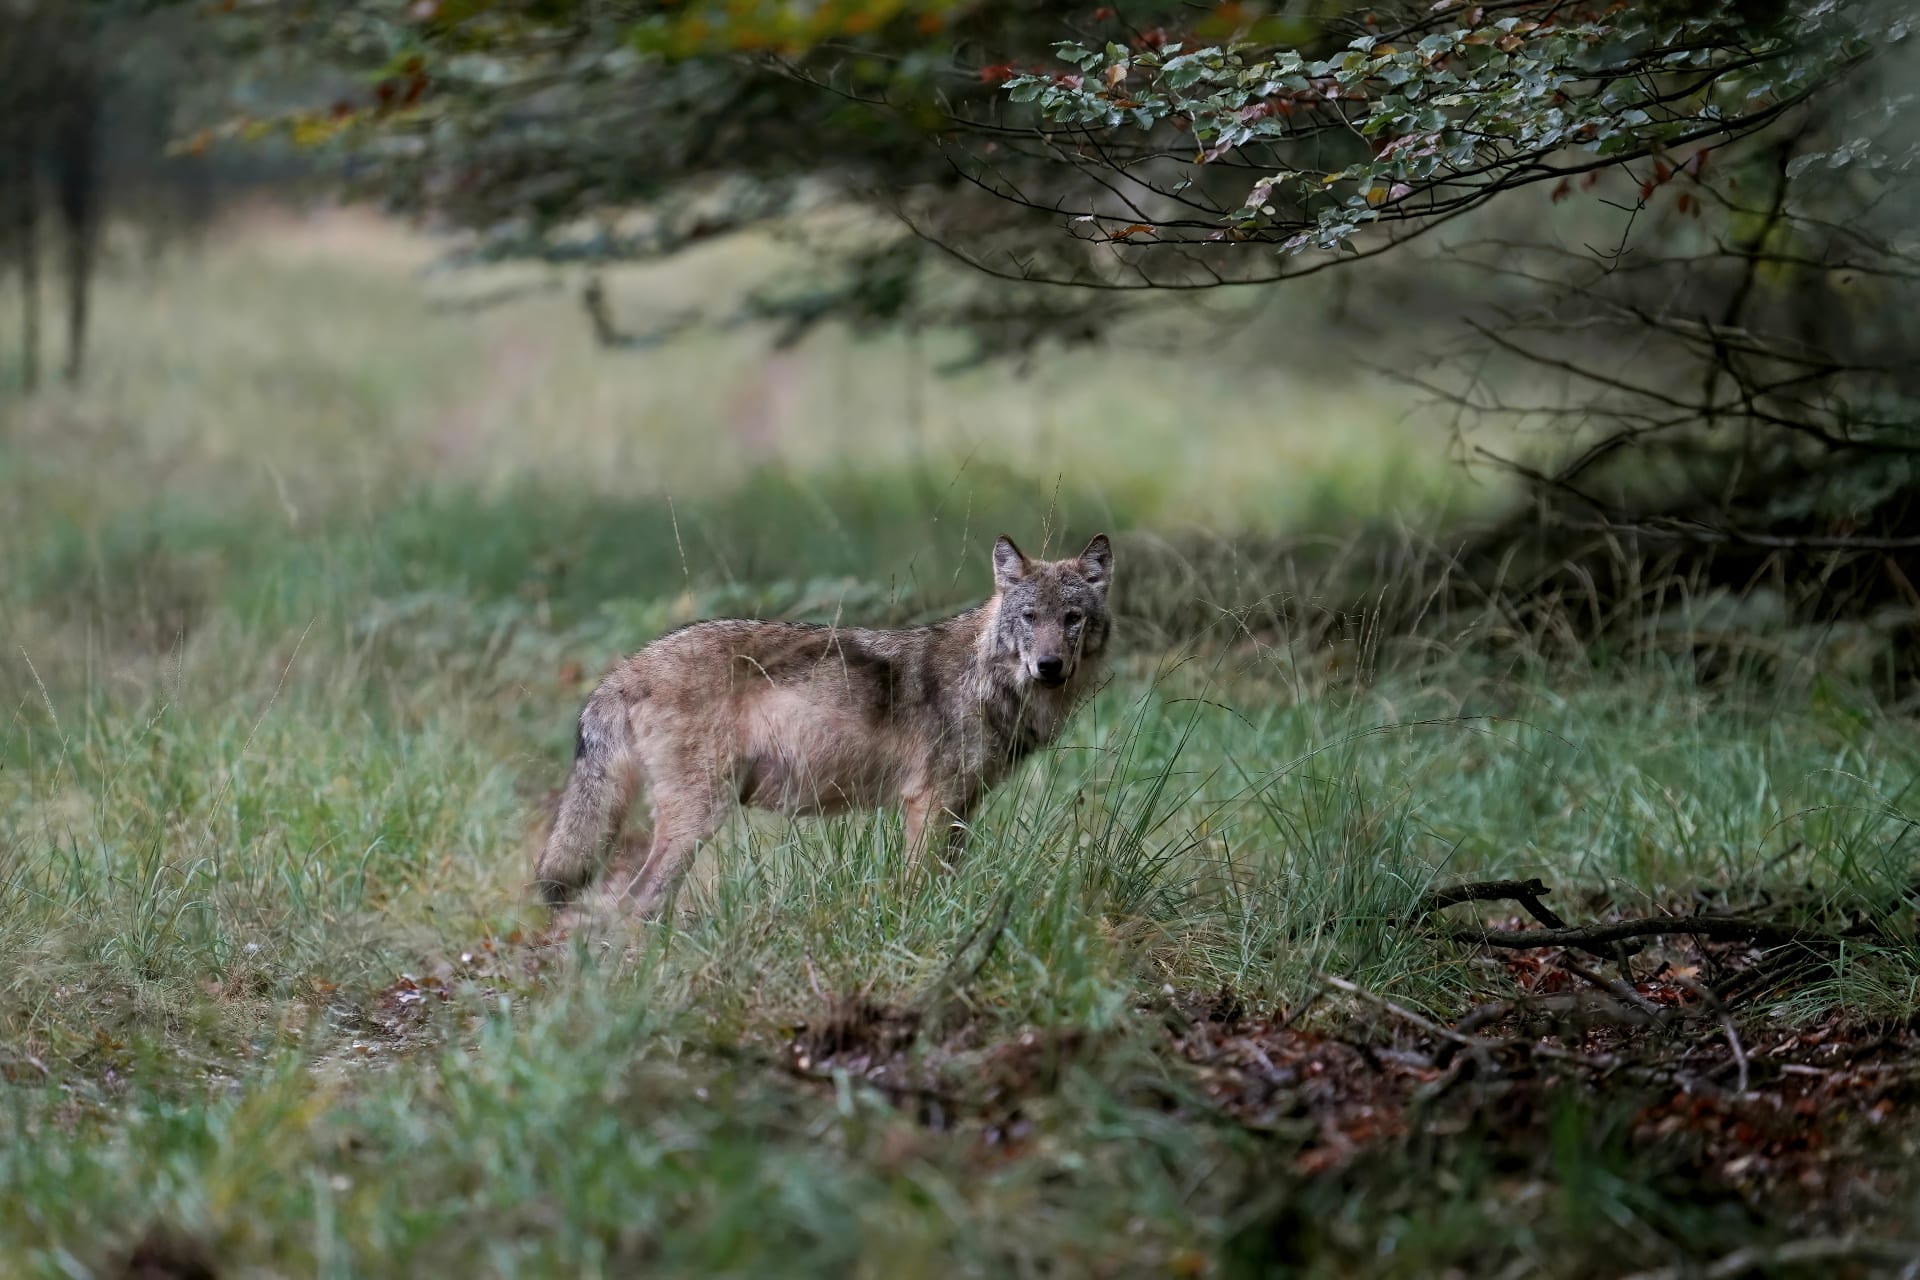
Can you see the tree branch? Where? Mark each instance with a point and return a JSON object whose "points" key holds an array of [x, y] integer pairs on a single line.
{"points": [[1558, 933]]}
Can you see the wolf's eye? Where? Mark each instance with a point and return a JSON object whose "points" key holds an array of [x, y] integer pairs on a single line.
{"points": [[1026, 615], [1073, 619]]}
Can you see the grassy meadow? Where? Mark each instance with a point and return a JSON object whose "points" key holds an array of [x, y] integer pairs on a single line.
{"points": [[302, 591]]}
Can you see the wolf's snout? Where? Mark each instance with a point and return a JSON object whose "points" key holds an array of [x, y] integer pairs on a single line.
{"points": [[1050, 670]]}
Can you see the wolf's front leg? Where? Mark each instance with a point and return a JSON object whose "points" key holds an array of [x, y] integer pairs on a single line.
{"points": [[935, 825]]}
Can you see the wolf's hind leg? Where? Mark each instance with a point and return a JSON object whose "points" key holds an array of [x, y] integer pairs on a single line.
{"points": [[680, 823], [629, 859], [594, 806]]}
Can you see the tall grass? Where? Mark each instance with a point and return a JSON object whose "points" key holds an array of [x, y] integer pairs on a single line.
{"points": [[301, 599]]}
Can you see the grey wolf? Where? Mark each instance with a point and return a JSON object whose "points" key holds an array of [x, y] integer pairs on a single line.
{"points": [[809, 720]]}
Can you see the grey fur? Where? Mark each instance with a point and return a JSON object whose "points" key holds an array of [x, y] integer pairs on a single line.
{"points": [[815, 720]]}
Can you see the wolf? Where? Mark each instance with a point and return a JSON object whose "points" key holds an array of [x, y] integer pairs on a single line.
{"points": [[813, 720]]}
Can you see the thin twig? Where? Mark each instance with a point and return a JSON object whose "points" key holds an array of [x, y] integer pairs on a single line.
{"points": [[1528, 893], [1405, 1014], [1719, 1007], [1717, 928], [1474, 1045], [1615, 988], [1820, 1249]]}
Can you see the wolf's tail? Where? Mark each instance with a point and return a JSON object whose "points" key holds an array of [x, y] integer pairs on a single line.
{"points": [[594, 803]]}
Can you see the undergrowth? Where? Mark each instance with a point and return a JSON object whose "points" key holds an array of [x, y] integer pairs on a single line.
{"points": [[273, 996]]}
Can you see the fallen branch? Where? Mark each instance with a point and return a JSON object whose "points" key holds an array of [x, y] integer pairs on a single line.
{"points": [[1717, 928], [1769, 975], [1590, 938], [1405, 1014], [1757, 1257], [1618, 990], [1528, 893], [1713, 1002], [1525, 892], [1481, 1048], [1474, 1045]]}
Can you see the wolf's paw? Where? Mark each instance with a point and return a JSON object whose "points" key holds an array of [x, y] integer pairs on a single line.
{"points": [[593, 915]]}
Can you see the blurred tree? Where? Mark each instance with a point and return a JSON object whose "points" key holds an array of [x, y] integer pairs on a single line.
{"points": [[49, 144], [586, 131], [88, 96]]}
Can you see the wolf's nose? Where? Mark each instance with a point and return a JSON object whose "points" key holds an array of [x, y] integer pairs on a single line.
{"points": [[1050, 668]]}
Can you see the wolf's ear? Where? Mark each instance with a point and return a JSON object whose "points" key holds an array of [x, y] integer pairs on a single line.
{"points": [[1096, 562], [1009, 563]]}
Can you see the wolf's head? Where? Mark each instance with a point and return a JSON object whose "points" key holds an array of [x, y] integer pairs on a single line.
{"points": [[1052, 614]]}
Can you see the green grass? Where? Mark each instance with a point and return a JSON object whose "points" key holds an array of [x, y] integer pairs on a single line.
{"points": [[299, 612]]}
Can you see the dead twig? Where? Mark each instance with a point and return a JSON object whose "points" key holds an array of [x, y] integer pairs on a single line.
{"points": [[1483, 1049], [1618, 990], [1432, 1091], [1405, 1014], [1769, 975], [1482, 1014], [1719, 1008], [1591, 938], [1820, 1249], [1528, 893], [1468, 1023], [1586, 938]]}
